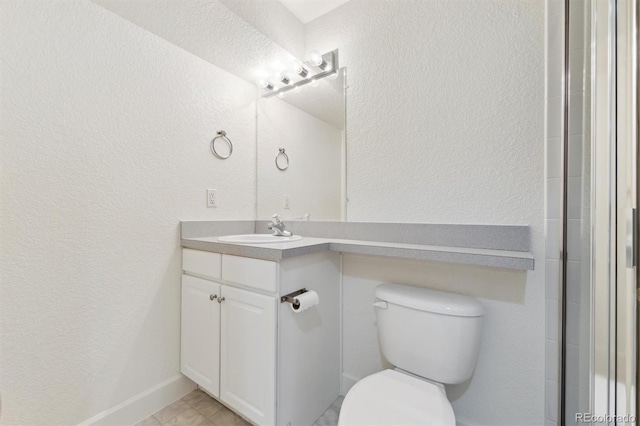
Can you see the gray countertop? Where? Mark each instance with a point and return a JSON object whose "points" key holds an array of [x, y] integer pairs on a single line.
{"points": [[509, 259]]}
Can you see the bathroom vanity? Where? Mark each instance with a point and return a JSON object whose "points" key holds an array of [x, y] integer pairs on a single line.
{"points": [[251, 351]]}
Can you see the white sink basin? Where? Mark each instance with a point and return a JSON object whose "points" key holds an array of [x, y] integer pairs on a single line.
{"points": [[258, 239]]}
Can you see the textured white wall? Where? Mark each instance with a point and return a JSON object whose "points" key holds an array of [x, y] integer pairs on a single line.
{"points": [[272, 19], [449, 94], [105, 133], [213, 30], [313, 179], [445, 124]]}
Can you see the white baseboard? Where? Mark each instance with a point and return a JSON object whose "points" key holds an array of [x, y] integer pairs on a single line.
{"points": [[347, 383], [144, 404]]}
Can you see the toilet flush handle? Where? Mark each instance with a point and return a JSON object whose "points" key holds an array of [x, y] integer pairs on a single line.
{"points": [[381, 305]]}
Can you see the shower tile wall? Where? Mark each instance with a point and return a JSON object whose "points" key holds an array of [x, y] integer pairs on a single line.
{"points": [[578, 206]]}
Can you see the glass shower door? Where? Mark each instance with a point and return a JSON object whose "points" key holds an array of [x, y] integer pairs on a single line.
{"points": [[577, 296], [599, 292]]}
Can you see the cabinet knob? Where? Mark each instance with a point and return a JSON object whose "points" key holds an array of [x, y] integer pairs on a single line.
{"points": [[213, 296], [220, 299]]}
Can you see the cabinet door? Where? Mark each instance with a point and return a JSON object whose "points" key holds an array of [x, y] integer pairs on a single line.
{"points": [[200, 348], [248, 354]]}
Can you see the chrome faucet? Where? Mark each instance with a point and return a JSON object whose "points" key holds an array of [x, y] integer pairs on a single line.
{"points": [[277, 226]]}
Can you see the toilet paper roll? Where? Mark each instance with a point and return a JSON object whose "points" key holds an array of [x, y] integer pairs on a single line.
{"points": [[305, 301]]}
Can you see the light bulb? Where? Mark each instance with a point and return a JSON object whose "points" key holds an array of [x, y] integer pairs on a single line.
{"points": [[300, 70], [317, 60], [282, 78], [263, 83]]}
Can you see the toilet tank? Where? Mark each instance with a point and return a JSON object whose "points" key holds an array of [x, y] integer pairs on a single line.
{"points": [[429, 333]]}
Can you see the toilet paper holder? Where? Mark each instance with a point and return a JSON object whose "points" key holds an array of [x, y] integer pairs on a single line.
{"points": [[291, 297]]}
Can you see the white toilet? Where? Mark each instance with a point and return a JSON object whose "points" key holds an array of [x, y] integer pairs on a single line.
{"points": [[432, 338]]}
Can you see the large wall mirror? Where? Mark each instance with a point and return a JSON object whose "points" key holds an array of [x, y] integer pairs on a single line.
{"points": [[301, 152]]}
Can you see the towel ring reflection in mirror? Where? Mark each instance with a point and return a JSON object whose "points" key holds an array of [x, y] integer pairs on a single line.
{"points": [[221, 135], [282, 160]]}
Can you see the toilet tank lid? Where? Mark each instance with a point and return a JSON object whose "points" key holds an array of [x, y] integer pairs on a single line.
{"points": [[428, 300]]}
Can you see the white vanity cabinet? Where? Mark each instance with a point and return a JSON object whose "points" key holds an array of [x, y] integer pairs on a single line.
{"points": [[249, 350], [248, 354], [229, 336], [200, 348]]}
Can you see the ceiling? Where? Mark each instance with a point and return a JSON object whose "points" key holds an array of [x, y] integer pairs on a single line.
{"points": [[308, 10]]}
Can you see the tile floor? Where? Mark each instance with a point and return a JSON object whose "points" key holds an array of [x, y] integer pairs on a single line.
{"points": [[330, 417], [198, 408]]}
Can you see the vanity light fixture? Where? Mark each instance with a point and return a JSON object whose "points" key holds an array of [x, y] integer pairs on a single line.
{"points": [[318, 67]]}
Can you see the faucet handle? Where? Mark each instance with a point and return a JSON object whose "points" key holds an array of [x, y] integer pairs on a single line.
{"points": [[276, 219]]}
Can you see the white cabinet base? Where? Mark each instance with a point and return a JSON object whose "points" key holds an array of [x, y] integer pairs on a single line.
{"points": [[248, 354], [309, 341], [200, 348], [253, 353]]}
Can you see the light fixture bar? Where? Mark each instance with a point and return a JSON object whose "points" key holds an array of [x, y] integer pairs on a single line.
{"points": [[298, 84], [330, 58]]}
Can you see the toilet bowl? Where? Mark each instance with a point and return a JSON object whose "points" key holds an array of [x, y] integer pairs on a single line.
{"points": [[432, 338], [392, 397]]}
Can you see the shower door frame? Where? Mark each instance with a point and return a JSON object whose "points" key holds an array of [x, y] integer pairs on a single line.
{"points": [[627, 178], [615, 195]]}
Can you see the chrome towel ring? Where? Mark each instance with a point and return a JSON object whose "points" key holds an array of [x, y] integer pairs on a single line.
{"points": [[221, 135], [282, 160]]}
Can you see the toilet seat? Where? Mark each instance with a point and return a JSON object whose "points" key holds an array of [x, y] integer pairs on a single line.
{"points": [[392, 398]]}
